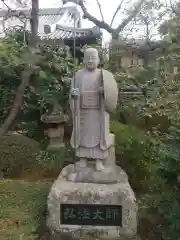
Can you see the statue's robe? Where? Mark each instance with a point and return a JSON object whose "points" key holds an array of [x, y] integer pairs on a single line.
{"points": [[91, 136]]}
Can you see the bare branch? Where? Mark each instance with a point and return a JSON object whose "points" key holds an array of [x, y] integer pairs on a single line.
{"points": [[173, 8], [104, 25], [13, 13], [23, 4], [34, 18], [130, 17], [130, 30], [87, 15], [100, 9], [116, 12]]}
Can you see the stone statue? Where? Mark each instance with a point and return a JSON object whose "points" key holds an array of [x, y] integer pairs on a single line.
{"points": [[93, 96]]}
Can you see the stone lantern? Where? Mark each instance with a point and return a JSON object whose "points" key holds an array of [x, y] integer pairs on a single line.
{"points": [[55, 121]]}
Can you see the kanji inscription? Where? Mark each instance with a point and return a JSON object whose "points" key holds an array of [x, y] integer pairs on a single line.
{"points": [[90, 99], [91, 214]]}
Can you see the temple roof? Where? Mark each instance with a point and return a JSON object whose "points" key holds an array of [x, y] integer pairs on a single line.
{"points": [[58, 21], [68, 33]]}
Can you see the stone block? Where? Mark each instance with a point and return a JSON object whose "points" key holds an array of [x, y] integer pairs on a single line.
{"points": [[64, 191]]}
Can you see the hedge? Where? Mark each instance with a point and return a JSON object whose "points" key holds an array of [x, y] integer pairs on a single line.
{"points": [[136, 153], [17, 153]]}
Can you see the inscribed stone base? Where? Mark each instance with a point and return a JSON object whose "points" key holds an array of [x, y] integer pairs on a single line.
{"points": [[64, 236], [68, 192]]}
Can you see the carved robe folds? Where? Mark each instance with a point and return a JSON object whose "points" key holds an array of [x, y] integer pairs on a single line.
{"points": [[91, 118]]}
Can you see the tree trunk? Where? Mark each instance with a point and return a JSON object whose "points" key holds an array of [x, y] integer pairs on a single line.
{"points": [[34, 21], [113, 53], [18, 102]]}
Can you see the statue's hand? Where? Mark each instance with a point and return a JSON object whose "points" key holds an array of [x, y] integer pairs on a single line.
{"points": [[101, 90], [75, 93]]}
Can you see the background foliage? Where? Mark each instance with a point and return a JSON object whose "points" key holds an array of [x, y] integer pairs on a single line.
{"points": [[47, 83]]}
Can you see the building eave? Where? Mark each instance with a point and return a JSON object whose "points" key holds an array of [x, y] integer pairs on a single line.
{"points": [[68, 33], [41, 12]]}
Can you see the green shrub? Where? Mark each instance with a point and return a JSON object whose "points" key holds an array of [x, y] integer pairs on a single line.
{"points": [[51, 163], [160, 208], [23, 209], [17, 153], [153, 167], [22, 157], [135, 153]]}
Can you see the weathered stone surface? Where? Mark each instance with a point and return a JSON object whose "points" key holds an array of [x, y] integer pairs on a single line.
{"points": [[89, 174], [93, 96], [60, 236], [64, 236], [64, 191]]}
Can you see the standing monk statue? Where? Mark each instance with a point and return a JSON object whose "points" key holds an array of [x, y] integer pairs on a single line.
{"points": [[93, 96]]}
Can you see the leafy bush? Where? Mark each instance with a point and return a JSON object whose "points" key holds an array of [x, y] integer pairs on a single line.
{"points": [[51, 163], [17, 153], [10, 70], [21, 157], [49, 72], [159, 213], [136, 153], [154, 167], [160, 208], [23, 209]]}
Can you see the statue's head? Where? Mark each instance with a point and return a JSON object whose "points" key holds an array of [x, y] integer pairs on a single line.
{"points": [[91, 58]]}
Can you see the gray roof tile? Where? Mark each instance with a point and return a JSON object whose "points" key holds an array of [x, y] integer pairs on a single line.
{"points": [[68, 33]]}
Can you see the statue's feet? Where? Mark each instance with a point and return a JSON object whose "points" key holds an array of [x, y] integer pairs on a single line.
{"points": [[71, 177], [99, 165], [83, 162]]}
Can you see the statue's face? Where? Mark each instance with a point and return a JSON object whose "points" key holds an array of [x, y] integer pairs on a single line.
{"points": [[91, 59]]}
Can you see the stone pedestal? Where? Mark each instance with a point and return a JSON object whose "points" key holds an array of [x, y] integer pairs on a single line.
{"points": [[120, 193]]}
